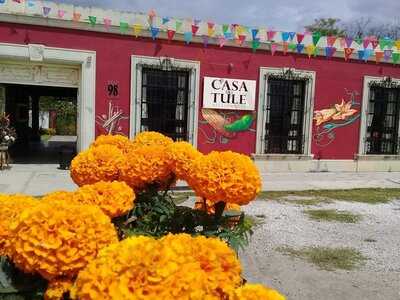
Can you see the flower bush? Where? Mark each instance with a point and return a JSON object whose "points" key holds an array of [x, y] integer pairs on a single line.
{"points": [[59, 239], [119, 141], [225, 176], [96, 164], [256, 291], [182, 155], [151, 138]]}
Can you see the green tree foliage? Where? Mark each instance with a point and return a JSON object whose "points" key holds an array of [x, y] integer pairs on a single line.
{"points": [[326, 26]]}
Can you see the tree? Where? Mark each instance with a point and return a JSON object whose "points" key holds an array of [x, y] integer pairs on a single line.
{"points": [[363, 27], [326, 26]]}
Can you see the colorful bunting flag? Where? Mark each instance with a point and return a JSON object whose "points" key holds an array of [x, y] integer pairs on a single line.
{"points": [[76, 17], [310, 50], [395, 57], [31, 3], [123, 27], [374, 44], [165, 20], [254, 33], [300, 38], [349, 41], [292, 35], [330, 40], [358, 40], [225, 28], [170, 34], [316, 36], [300, 48], [137, 29], [228, 35], [241, 39], [360, 54], [210, 31], [285, 47], [46, 11], [152, 13], [154, 32], [292, 47], [274, 47], [92, 20], [188, 35], [397, 44], [18, 1], [195, 28], [221, 41], [107, 23], [255, 44], [330, 51], [387, 55], [342, 42], [366, 42], [61, 13], [367, 54], [271, 35], [285, 36], [196, 22], [378, 56], [205, 41], [2, 1], [178, 25], [347, 53]]}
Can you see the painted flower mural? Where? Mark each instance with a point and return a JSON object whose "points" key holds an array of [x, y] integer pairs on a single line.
{"points": [[340, 111]]}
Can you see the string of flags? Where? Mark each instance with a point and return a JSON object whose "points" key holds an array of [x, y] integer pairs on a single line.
{"points": [[311, 44]]}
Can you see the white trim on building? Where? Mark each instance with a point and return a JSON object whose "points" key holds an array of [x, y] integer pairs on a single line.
{"points": [[194, 90], [67, 59]]}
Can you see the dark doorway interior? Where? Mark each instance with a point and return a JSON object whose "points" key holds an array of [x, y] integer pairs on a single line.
{"points": [[45, 119]]}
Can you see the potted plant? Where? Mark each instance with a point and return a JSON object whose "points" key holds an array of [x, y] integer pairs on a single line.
{"points": [[7, 133]]}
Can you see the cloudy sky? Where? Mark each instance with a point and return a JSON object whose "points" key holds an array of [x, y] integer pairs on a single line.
{"points": [[281, 15]]}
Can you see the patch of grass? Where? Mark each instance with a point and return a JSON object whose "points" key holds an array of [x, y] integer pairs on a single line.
{"points": [[370, 195], [304, 202], [328, 258], [332, 215]]}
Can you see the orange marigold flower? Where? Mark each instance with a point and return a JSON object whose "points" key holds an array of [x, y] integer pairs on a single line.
{"points": [[225, 176], [58, 196], [56, 289], [113, 198], [59, 239], [99, 163], [146, 165], [256, 291], [151, 138], [10, 208], [120, 141], [182, 155], [174, 267]]}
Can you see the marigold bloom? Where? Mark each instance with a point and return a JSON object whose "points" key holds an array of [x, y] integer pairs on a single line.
{"points": [[120, 141], [225, 176], [182, 156], [58, 196], [10, 208], [99, 163], [146, 165], [59, 239], [256, 291], [174, 267], [113, 198], [151, 138], [56, 289]]}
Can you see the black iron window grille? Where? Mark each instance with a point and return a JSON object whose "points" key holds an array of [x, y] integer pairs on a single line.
{"points": [[164, 102], [383, 119], [285, 115]]}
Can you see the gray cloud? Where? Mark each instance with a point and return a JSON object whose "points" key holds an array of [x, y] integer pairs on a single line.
{"points": [[282, 15]]}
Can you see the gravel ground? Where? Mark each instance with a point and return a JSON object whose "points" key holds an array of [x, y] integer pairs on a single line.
{"points": [[286, 225]]}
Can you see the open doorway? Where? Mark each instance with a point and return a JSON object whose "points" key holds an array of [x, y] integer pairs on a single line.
{"points": [[45, 119]]}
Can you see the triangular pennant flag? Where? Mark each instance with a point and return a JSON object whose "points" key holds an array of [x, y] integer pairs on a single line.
{"points": [[358, 40], [383, 43], [137, 28], [195, 28], [205, 41], [329, 51], [361, 54], [349, 41], [170, 34], [271, 35], [292, 35], [242, 38], [31, 3], [395, 57], [274, 47], [285, 47], [61, 13], [154, 32], [152, 13], [397, 44], [123, 27], [310, 50], [316, 36], [18, 1], [366, 42], [387, 55], [225, 28], [255, 44], [300, 48], [76, 17], [300, 38], [92, 20], [165, 20], [330, 40], [292, 47], [285, 36], [196, 22], [374, 43], [178, 25], [347, 53], [107, 23], [210, 25], [188, 35], [221, 41], [228, 35], [46, 11], [342, 42], [254, 33], [367, 54], [210, 31], [378, 56]]}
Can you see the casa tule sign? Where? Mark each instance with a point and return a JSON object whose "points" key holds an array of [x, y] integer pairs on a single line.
{"points": [[228, 93]]}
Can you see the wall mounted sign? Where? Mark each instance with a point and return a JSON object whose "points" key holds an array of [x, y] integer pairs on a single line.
{"points": [[228, 93], [113, 89]]}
